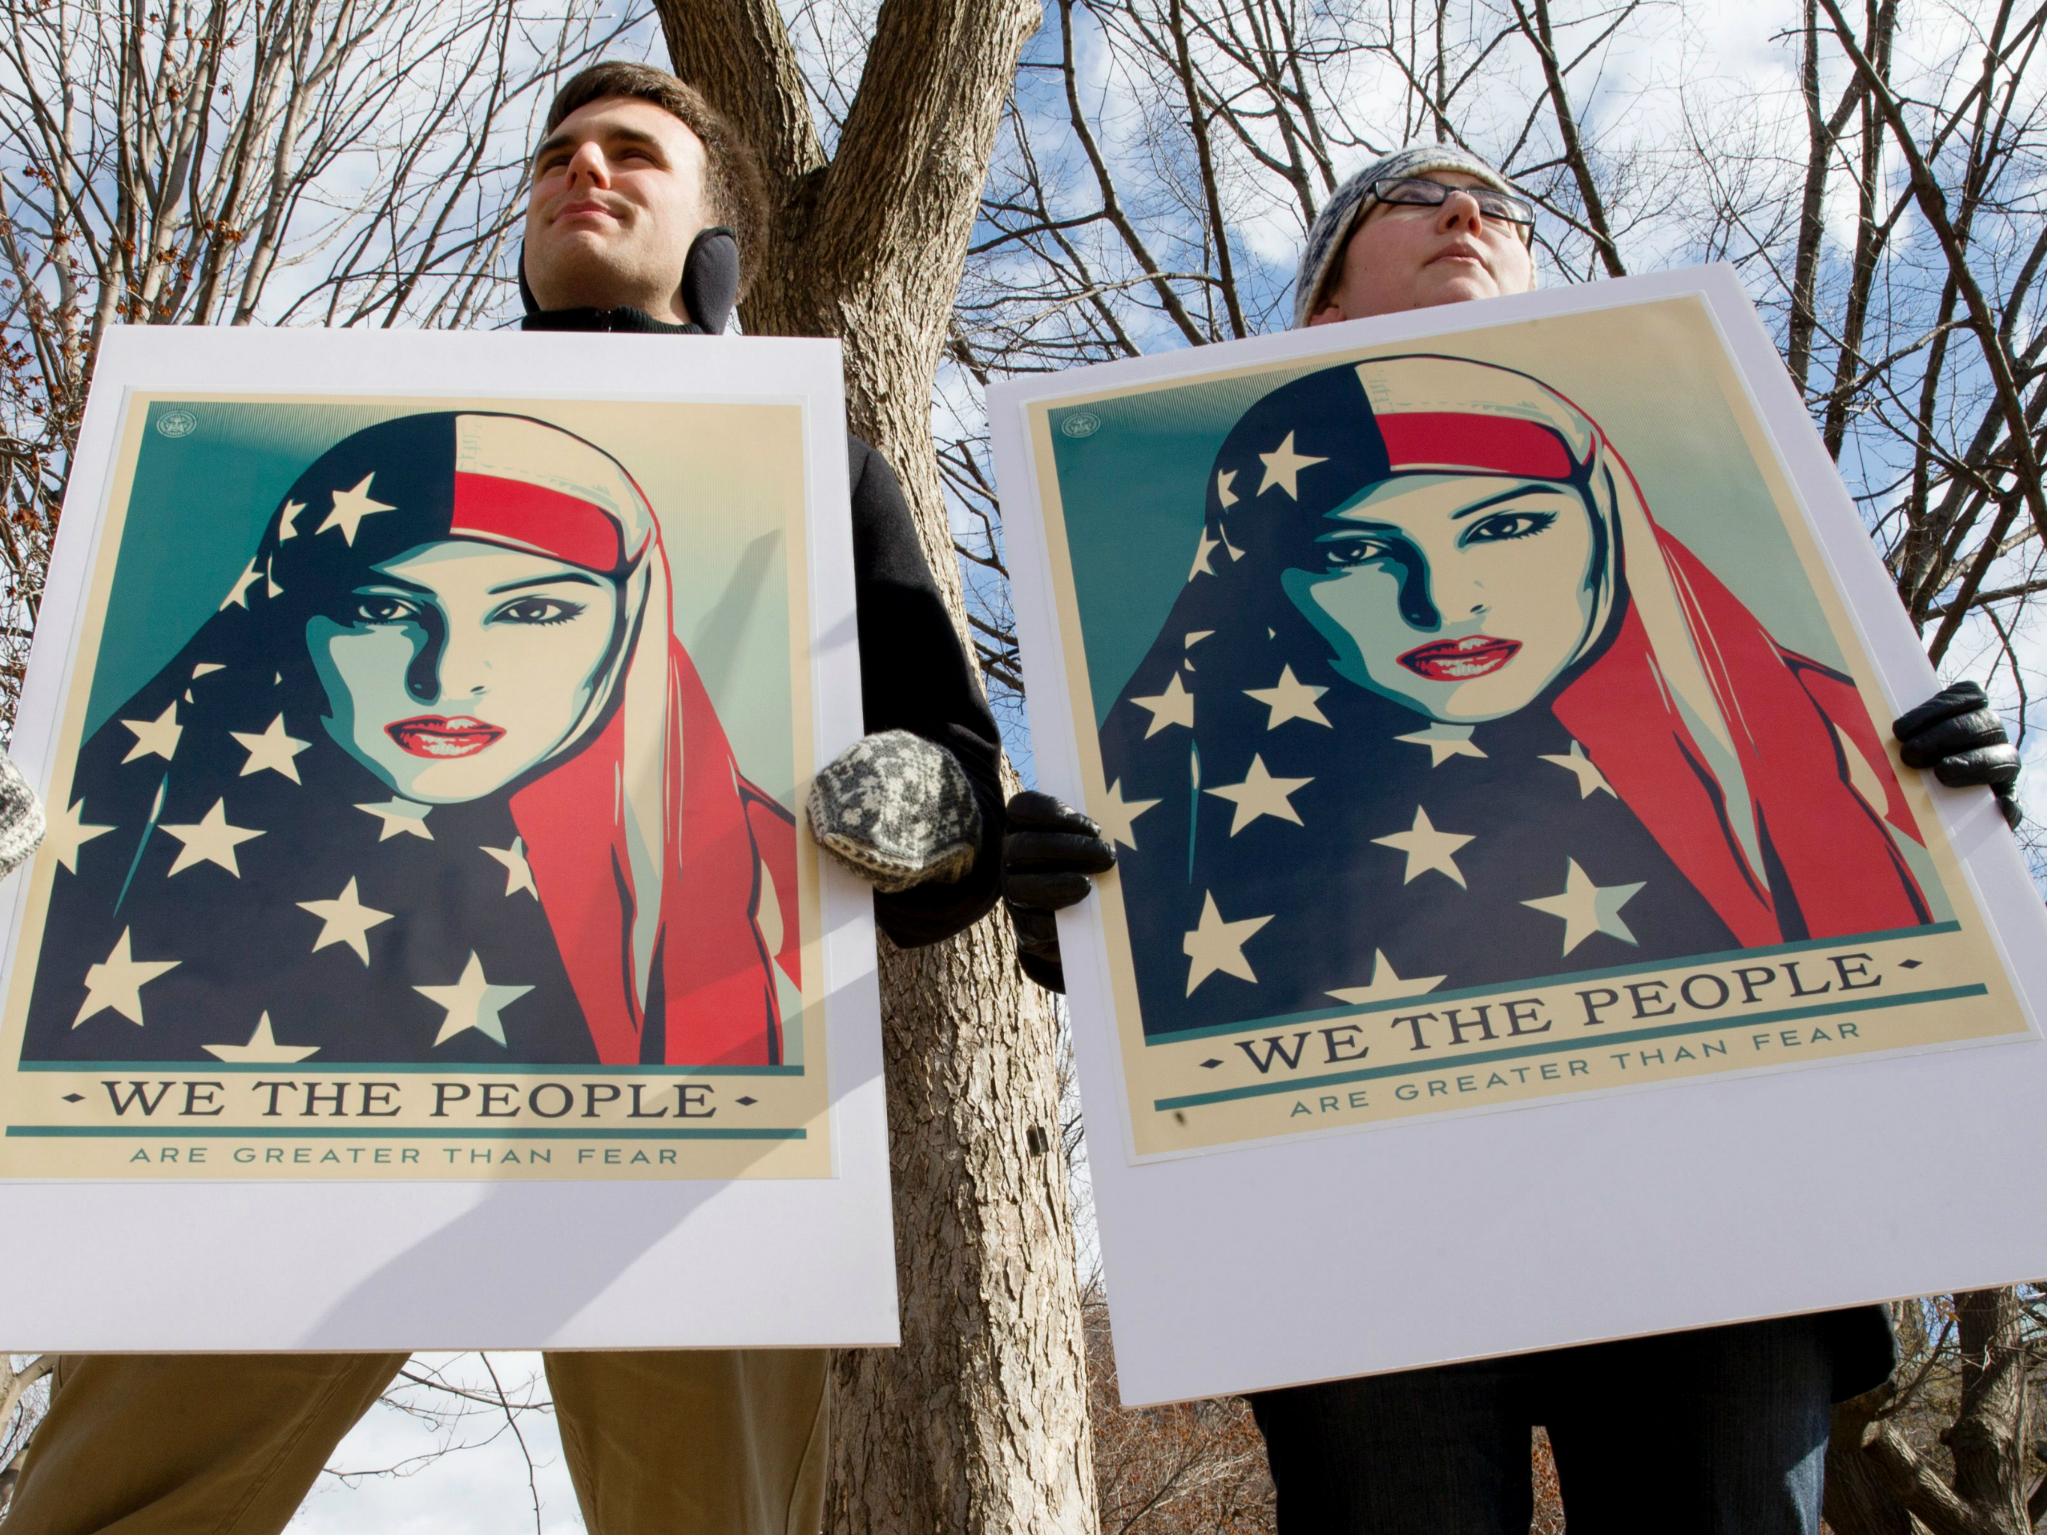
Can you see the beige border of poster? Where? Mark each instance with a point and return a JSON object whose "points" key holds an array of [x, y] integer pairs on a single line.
{"points": [[1420, 1052], [410, 1121]]}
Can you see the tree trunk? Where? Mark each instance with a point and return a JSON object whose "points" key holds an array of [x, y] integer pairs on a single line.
{"points": [[1990, 1435], [979, 1421], [1976, 1378]]}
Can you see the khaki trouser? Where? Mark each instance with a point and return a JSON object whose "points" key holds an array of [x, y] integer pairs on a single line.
{"points": [[656, 1440]]}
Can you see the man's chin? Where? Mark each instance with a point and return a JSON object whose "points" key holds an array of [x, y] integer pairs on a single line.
{"points": [[579, 270]]}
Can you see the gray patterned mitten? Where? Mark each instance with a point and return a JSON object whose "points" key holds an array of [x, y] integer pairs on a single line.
{"points": [[21, 817], [898, 809]]}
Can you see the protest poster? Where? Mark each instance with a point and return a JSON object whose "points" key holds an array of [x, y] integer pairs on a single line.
{"points": [[426, 899], [1491, 708]]}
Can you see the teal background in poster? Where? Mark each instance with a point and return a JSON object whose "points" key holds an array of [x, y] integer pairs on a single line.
{"points": [[1133, 493], [201, 502]]}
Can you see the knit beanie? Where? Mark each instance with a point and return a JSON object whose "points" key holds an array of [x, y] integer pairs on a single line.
{"points": [[1327, 237]]}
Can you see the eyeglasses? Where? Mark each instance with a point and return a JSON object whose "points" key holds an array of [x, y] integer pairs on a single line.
{"points": [[1420, 192]]}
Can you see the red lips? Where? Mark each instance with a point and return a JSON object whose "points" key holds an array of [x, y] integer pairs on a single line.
{"points": [[1457, 661], [443, 735]]}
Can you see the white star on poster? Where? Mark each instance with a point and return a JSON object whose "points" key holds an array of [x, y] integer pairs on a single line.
{"points": [[400, 817], [345, 920], [1261, 794], [262, 1047], [1216, 945], [117, 982], [351, 507], [472, 1002], [155, 738], [1580, 767], [209, 840], [238, 594], [1289, 699], [1587, 908], [203, 668], [518, 873], [1204, 548], [1116, 815], [270, 586], [270, 748], [1176, 706], [1386, 984], [68, 832], [1224, 494], [287, 520], [1444, 742], [1426, 848], [1284, 467]]}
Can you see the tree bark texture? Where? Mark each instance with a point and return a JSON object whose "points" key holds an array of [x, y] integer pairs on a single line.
{"points": [[979, 1421], [1998, 1418], [1882, 1474]]}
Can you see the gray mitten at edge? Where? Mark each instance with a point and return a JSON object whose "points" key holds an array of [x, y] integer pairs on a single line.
{"points": [[898, 810], [21, 817]]}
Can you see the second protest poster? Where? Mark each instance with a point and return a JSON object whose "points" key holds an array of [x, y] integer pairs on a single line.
{"points": [[1481, 725]]}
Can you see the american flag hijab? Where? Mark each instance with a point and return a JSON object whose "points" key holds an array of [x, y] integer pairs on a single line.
{"points": [[246, 885], [1293, 839]]}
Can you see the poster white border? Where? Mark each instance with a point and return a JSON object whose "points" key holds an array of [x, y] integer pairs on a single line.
{"points": [[557, 1264], [1563, 1221]]}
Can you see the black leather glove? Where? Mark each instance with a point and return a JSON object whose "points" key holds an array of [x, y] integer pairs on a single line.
{"points": [[1956, 734], [1049, 851]]}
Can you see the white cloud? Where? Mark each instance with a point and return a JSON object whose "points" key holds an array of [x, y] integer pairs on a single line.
{"points": [[461, 1471]]}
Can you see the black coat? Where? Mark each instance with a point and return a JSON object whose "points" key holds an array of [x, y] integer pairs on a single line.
{"points": [[915, 677]]}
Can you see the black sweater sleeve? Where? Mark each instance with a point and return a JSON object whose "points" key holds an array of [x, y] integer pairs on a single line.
{"points": [[915, 677]]}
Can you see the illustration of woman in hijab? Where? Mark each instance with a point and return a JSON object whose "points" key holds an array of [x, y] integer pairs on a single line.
{"points": [[1440, 706], [436, 783]]}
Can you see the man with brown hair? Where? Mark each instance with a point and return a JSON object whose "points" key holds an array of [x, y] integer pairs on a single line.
{"points": [[639, 204], [634, 165]]}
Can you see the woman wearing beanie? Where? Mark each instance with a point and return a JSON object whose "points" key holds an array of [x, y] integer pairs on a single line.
{"points": [[1584, 582], [1739, 1438]]}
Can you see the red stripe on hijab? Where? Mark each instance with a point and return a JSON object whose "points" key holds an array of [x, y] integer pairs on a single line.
{"points": [[520, 512], [1467, 440]]}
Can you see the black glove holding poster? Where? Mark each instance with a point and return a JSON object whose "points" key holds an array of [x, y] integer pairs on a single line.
{"points": [[1049, 852]]}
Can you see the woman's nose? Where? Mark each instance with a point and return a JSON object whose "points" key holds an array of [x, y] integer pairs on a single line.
{"points": [[1431, 599], [1460, 211], [1459, 597], [449, 668]]}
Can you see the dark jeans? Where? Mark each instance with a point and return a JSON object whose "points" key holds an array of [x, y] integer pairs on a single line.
{"points": [[1724, 1429]]}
